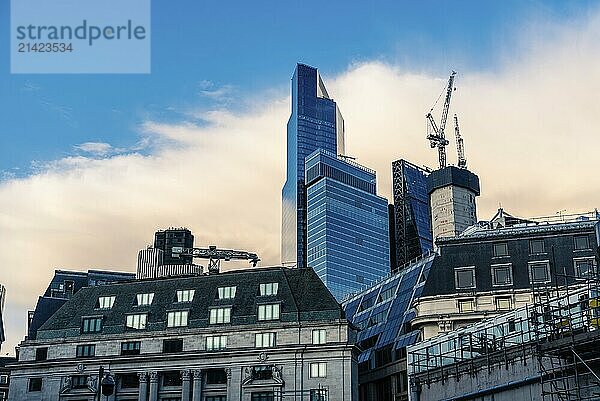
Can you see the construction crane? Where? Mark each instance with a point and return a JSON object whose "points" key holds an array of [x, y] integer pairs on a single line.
{"points": [[435, 133], [460, 146], [215, 256]]}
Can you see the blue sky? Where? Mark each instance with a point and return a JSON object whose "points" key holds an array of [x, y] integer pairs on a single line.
{"points": [[241, 48]]}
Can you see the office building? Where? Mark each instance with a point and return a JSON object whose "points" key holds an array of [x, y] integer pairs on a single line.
{"points": [[165, 240], [348, 242], [254, 335], [150, 265], [5, 376], [315, 123], [412, 214], [2, 300]]}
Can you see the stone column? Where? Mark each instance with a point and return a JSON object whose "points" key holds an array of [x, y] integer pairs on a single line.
{"points": [[197, 390], [143, 386], [185, 385], [153, 386], [230, 395]]}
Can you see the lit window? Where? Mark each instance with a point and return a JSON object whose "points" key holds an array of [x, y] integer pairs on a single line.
{"points": [[269, 289], [105, 302], [145, 299], [91, 325], [220, 315], [227, 292], [500, 249], [503, 303], [582, 242], [137, 321], [464, 277], [264, 340], [85, 351], [585, 267], [502, 274], [466, 305], [185, 295], [318, 369], [319, 336], [214, 343], [268, 312], [536, 246], [177, 318], [539, 272]]}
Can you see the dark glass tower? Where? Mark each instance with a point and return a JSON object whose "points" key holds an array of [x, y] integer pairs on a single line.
{"points": [[315, 123], [412, 212]]}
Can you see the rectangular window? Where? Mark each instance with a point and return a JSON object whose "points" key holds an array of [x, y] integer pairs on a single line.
{"points": [[503, 303], [130, 348], [319, 336], [263, 396], [130, 380], [91, 325], [173, 346], [172, 379], [585, 267], [500, 249], [86, 351], [464, 277], [269, 289], [387, 294], [466, 305], [582, 242], [220, 315], [264, 340], [79, 381], [177, 318], [502, 274], [226, 292], [318, 369], [318, 394], [216, 376], [3, 379], [145, 299], [214, 343], [216, 398], [539, 272], [41, 354], [536, 246], [35, 384], [137, 322], [185, 295], [106, 302], [268, 312]]}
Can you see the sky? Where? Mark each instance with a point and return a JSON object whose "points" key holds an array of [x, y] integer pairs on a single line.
{"points": [[91, 165]]}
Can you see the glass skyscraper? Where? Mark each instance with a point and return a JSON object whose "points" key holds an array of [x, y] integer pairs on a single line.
{"points": [[348, 244], [315, 123], [412, 212]]}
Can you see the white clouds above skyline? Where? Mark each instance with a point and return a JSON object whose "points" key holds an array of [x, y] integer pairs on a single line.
{"points": [[528, 127]]}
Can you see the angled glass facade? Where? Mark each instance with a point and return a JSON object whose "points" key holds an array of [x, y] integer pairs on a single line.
{"points": [[412, 212], [315, 123], [348, 244]]}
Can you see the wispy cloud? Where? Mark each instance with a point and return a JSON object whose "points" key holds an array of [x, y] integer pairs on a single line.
{"points": [[221, 94]]}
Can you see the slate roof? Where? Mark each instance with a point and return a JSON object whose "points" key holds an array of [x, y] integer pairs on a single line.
{"points": [[302, 295]]}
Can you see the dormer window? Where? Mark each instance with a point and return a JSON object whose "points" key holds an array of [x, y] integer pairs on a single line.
{"points": [[269, 289], [226, 292], [268, 312], [185, 295], [145, 299], [220, 315], [137, 322], [105, 302]]}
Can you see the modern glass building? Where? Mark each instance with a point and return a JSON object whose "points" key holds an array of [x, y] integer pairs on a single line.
{"points": [[348, 244], [315, 123], [412, 212]]}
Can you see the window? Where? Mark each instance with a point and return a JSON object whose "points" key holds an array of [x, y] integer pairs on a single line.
{"points": [[41, 354], [214, 343], [464, 277], [582, 242], [130, 348], [262, 372], [318, 395], [3, 379], [220, 315], [500, 249], [216, 376], [585, 267], [130, 380], [171, 379], [264, 340], [137, 322], [185, 295], [387, 294], [536, 246], [502, 274], [145, 299], [216, 398], [35, 384], [268, 312], [263, 396], [84, 351], [79, 381], [466, 305], [318, 369], [539, 272], [106, 302], [226, 292], [173, 346], [269, 289], [91, 325], [503, 303], [177, 318], [319, 336]]}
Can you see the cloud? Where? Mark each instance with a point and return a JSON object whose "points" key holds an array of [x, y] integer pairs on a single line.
{"points": [[529, 130], [221, 94], [95, 148]]}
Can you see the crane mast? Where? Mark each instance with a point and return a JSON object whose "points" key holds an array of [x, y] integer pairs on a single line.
{"points": [[460, 147], [215, 255], [435, 134]]}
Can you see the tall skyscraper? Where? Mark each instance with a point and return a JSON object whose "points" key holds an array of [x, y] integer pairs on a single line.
{"points": [[315, 123], [412, 213], [348, 244]]}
